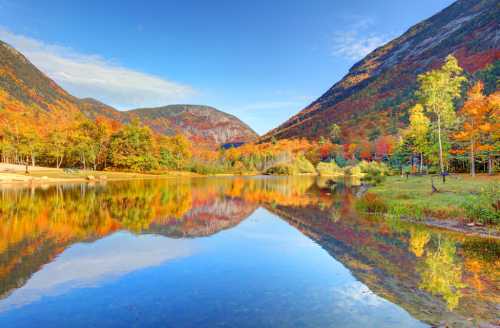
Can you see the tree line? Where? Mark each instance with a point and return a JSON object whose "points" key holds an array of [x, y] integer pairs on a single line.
{"points": [[453, 124], [443, 127], [96, 145]]}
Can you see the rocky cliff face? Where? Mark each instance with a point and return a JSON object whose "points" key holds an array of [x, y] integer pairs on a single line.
{"points": [[201, 124], [378, 90]]}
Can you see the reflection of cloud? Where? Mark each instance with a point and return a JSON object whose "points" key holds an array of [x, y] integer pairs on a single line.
{"points": [[356, 292], [88, 265], [92, 76]]}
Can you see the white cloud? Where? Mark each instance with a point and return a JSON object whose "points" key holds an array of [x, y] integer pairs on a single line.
{"points": [[357, 42], [85, 75]]}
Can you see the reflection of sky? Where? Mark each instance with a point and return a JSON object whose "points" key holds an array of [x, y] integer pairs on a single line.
{"points": [[261, 273], [90, 264]]}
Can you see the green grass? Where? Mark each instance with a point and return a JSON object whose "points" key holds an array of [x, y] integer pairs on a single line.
{"points": [[413, 196]]}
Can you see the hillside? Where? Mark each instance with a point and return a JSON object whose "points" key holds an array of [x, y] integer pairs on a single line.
{"points": [[374, 97], [31, 101], [201, 124]]}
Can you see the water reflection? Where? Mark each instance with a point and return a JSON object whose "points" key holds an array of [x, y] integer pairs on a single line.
{"points": [[89, 265], [434, 275]]}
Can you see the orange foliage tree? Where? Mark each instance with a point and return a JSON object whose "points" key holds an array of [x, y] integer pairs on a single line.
{"points": [[478, 121]]}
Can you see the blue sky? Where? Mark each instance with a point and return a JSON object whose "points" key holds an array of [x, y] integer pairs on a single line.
{"points": [[261, 60]]}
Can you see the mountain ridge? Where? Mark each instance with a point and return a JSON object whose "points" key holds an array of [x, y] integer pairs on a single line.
{"points": [[382, 84]]}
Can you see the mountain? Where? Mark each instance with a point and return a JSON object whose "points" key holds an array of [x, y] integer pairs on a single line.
{"points": [[30, 100], [202, 124], [374, 97]]}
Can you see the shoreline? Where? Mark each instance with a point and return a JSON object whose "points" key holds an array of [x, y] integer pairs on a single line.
{"points": [[457, 226], [38, 178]]}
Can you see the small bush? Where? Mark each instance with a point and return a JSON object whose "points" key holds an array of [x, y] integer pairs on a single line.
{"points": [[371, 203], [303, 166], [329, 169], [353, 171], [374, 172], [413, 212], [483, 207], [207, 168], [281, 169]]}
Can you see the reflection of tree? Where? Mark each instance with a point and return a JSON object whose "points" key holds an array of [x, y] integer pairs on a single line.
{"points": [[36, 225], [390, 257], [418, 239], [441, 275]]}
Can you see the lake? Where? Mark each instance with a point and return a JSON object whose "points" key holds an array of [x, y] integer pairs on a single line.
{"points": [[232, 252]]}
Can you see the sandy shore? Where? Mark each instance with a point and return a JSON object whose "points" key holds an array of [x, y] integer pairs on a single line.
{"points": [[15, 175]]}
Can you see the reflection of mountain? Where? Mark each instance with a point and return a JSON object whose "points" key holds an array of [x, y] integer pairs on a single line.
{"points": [[390, 260], [36, 226], [434, 276], [205, 219]]}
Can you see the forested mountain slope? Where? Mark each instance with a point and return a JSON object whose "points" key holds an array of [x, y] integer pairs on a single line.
{"points": [[374, 97], [32, 102]]}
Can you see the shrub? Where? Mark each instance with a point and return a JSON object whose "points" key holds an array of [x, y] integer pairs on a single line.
{"points": [[353, 171], [374, 172], [371, 203], [207, 168], [302, 165], [329, 169], [374, 168], [484, 207], [400, 210], [281, 169]]}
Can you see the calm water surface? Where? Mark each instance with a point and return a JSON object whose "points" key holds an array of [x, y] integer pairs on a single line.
{"points": [[232, 252]]}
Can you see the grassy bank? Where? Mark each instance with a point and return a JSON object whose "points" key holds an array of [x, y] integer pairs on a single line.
{"points": [[462, 198]]}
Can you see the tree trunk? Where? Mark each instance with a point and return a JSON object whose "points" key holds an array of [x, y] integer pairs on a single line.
{"points": [[441, 164], [472, 159], [421, 162], [33, 161], [490, 164]]}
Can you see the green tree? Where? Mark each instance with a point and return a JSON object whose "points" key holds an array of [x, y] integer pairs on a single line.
{"points": [[57, 146], [132, 147], [335, 132], [30, 146], [438, 91], [419, 130], [86, 143], [175, 152]]}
